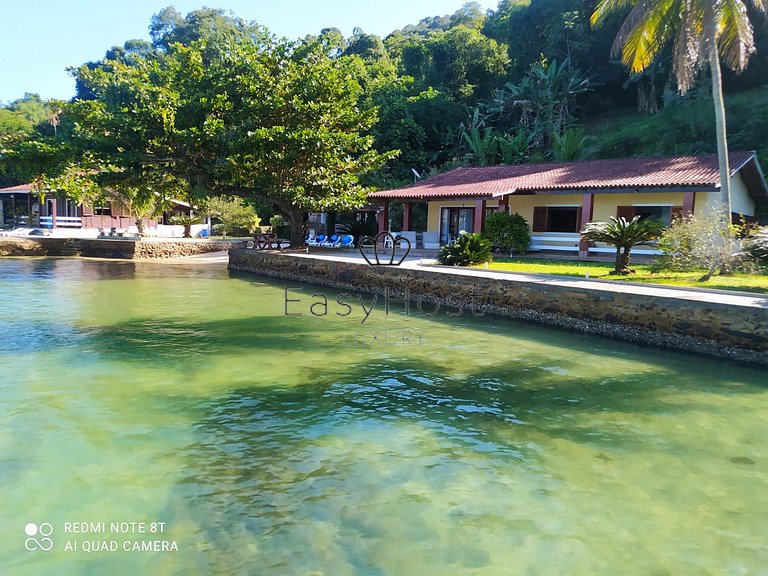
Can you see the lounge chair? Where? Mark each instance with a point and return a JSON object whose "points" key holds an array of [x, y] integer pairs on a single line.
{"points": [[317, 240], [347, 241], [332, 242]]}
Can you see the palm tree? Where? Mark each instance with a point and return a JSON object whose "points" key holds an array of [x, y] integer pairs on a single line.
{"points": [[702, 31], [623, 235], [186, 220]]}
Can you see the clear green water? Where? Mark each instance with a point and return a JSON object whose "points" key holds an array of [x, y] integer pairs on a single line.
{"points": [[300, 445]]}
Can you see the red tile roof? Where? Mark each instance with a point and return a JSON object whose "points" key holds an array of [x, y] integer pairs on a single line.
{"points": [[17, 188], [595, 175]]}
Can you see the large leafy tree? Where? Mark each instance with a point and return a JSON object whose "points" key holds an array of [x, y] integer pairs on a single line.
{"points": [[460, 60], [702, 32], [231, 114]]}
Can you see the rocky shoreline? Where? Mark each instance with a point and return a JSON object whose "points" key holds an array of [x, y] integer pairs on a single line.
{"points": [[738, 333], [124, 249]]}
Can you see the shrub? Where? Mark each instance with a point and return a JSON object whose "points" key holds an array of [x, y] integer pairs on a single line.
{"points": [[698, 242], [756, 246], [466, 250], [623, 235], [507, 232], [237, 217], [186, 220]]}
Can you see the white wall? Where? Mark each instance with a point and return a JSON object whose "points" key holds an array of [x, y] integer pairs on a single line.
{"points": [[741, 203]]}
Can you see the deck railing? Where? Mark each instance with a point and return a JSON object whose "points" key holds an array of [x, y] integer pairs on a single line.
{"points": [[565, 242], [62, 221]]}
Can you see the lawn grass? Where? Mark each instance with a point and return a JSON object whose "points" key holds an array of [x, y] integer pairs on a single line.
{"points": [[602, 271]]}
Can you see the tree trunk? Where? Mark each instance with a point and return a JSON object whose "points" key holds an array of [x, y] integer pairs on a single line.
{"points": [[621, 265], [720, 128], [296, 216], [618, 262], [140, 226], [625, 269]]}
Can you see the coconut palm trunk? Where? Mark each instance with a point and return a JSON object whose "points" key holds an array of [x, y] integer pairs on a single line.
{"points": [[720, 130], [701, 32], [710, 28]]}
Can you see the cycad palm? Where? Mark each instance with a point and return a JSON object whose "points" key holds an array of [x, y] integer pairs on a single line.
{"points": [[623, 235], [702, 31]]}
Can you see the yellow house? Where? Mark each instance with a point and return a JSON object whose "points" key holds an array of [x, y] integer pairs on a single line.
{"points": [[558, 199]]}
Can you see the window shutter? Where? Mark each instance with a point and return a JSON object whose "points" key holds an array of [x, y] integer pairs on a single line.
{"points": [[578, 219], [626, 212], [540, 219]]}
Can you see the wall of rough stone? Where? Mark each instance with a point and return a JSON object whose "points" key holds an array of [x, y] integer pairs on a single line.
{"points": [[109, 248], [720, 330]]}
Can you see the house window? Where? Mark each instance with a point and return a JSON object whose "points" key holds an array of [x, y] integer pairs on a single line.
{"points": [[102, 210], [556, 219], [663, 213], [453, 220]]}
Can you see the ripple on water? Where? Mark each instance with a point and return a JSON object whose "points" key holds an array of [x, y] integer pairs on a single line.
{"points": [[273, 446]]}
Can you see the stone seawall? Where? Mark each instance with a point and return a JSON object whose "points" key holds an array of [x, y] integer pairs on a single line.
{"points": [[111, 248], [711, 328]]}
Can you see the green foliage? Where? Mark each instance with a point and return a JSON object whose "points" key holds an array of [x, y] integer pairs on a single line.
{"points": [[461, 61], [186, 220], [508, 233], [397, 129], [368, 46], [276, 221], [698, 242], [466, 250], [623, 235], [544, 102], [515, 148], [483, 145], [359, 228], [572, 146], [236, 217], [141, 199], [232, 112], [756, 246], [687, 128], [469, 15]]}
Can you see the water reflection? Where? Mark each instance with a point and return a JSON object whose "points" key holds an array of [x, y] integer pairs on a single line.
{"points": [[275, 445]]}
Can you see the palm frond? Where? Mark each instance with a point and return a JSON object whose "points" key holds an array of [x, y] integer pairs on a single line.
{"points": [[760, 5], [736, 41], [605, 7]]}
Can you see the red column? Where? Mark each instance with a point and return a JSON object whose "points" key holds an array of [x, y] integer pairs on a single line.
{"points": [[587, 202], [503, 203], [477, 225], [383, 216], [406, 216], [688, 200]]}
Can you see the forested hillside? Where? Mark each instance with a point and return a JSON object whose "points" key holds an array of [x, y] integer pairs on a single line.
{"points": [[529, 81]]}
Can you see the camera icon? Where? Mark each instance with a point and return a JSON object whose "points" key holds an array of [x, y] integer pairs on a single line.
{"points": [[38, 536]]}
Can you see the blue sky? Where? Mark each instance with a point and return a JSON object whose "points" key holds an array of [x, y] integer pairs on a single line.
{"points": [[41, 38]]}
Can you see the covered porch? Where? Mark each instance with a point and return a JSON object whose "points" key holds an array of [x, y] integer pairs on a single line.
{"points": [[559, 199]]}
